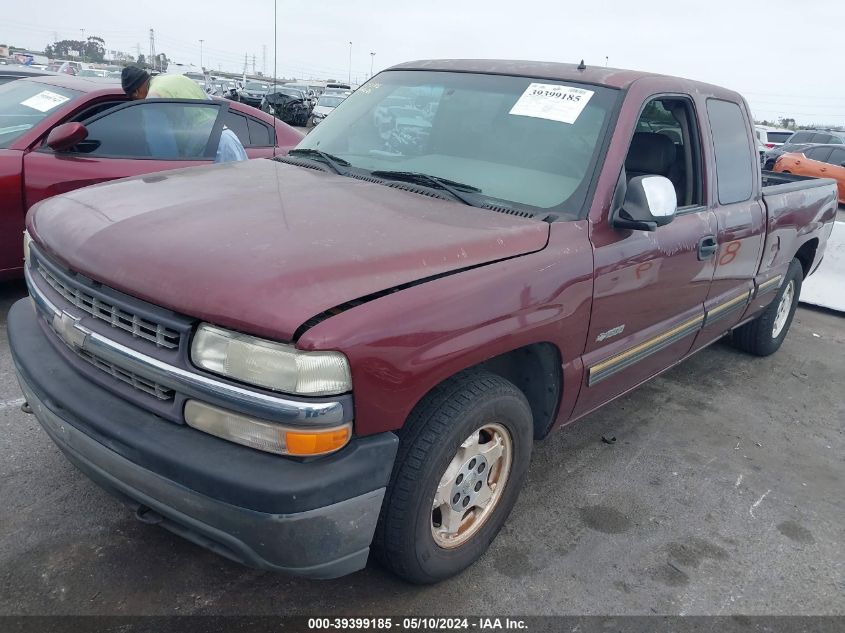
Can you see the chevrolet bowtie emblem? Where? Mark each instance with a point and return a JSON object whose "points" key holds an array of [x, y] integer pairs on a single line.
{"points": [[66, 327]]}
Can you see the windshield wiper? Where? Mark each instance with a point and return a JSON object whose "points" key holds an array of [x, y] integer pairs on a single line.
{"points": [[334, 162], [449, 186]]}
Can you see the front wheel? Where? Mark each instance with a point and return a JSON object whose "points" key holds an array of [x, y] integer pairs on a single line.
{"points": [[765, 334], [462, 459]]}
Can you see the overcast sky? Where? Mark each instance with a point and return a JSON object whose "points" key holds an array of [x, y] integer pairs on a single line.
{"points": [[783, 55]]}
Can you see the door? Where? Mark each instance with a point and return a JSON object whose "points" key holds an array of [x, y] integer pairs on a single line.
{"points": [[136, 138], [740, 217], [650, 286]]}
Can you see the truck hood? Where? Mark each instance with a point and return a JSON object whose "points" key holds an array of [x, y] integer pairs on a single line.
{"points": [[262, 246]]}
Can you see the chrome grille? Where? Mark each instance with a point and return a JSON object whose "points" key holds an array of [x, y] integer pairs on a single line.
{"points": [[112, 314], [138, 382]]}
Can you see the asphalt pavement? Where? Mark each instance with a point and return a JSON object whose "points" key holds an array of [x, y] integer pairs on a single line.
{"points": [[721, 494]]}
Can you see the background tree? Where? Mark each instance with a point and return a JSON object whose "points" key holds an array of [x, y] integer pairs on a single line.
{"points": [[62, 48], [95, 49], [142, 61]]}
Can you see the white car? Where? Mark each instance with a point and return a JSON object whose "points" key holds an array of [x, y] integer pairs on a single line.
{"points": [[325, 105], [772, 136]]}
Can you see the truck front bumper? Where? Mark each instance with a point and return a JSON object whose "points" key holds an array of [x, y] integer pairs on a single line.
{"points": [[307, 518]]}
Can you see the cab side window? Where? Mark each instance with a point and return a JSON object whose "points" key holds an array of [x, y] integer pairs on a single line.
{"points": [[734, 175], [667, 143]]}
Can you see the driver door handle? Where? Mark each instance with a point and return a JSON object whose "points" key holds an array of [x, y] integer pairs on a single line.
{"points": [[707, 246]]}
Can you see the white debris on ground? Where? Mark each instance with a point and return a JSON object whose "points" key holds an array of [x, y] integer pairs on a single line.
{"points": [[826, 287]]}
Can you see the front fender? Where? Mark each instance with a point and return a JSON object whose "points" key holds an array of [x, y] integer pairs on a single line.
{"points": [[402, 345]]}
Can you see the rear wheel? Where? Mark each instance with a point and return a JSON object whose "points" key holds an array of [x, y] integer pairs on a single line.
{"points": [[765, 334], [462, 459]]}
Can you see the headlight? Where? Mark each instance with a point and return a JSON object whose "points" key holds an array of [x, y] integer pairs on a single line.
{"points": [[269, 364], [26, 241], [264, 435]]}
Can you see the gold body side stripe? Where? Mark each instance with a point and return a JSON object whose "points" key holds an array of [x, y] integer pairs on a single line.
{"points": [[774, 281], [654, 344], [727, 305]]}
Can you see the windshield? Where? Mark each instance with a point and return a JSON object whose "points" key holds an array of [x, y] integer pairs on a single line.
{"points": [[329, 102], [24, 104], [518, 140], [257, 87]]}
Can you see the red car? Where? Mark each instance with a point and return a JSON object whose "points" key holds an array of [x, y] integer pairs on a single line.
{"points": [[59, 133]]}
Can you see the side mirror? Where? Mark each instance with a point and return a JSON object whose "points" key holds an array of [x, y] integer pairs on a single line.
{"points": [[66, 135], [650, 201]]}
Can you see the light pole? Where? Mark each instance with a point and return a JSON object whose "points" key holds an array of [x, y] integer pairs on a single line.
{"points": [[372, 59], [201, 41], [350, 64], [83, 44]]}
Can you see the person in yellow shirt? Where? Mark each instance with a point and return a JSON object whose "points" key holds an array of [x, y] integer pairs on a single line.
{"points": [[138, 84]]}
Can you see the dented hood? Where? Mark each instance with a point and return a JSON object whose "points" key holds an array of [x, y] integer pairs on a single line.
{"points": [[263, 246]]}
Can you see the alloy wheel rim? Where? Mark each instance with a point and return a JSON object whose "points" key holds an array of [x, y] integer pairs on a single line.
{"points": [[472, 485], [784, 307]]}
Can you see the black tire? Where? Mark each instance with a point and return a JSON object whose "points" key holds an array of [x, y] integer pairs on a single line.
{"points": [[434, 432], [756, 337]]}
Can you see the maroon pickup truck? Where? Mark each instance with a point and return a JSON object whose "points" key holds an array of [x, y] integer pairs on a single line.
{"points": [[291, 361]]}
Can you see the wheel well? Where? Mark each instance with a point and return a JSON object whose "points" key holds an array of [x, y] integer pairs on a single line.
{"points": [[536, 371], [807, 255]]}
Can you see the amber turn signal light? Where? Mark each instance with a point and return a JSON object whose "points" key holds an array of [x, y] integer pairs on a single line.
{"points": [[316, 442]]}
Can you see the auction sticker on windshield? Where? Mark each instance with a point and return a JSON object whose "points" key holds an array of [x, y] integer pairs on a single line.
{"points": [[548, 101], [45, 101]]}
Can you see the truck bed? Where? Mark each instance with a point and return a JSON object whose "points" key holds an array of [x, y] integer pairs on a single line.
{"points": [[799, 209], [779, 182]]}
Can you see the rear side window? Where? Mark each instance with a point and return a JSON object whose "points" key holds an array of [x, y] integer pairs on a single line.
{"points": [[733, 152], [250, 133], [778, 137], [259, 134], [801, 137], [818, 153], [837, 157], [822, 138], [237, 123]]}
